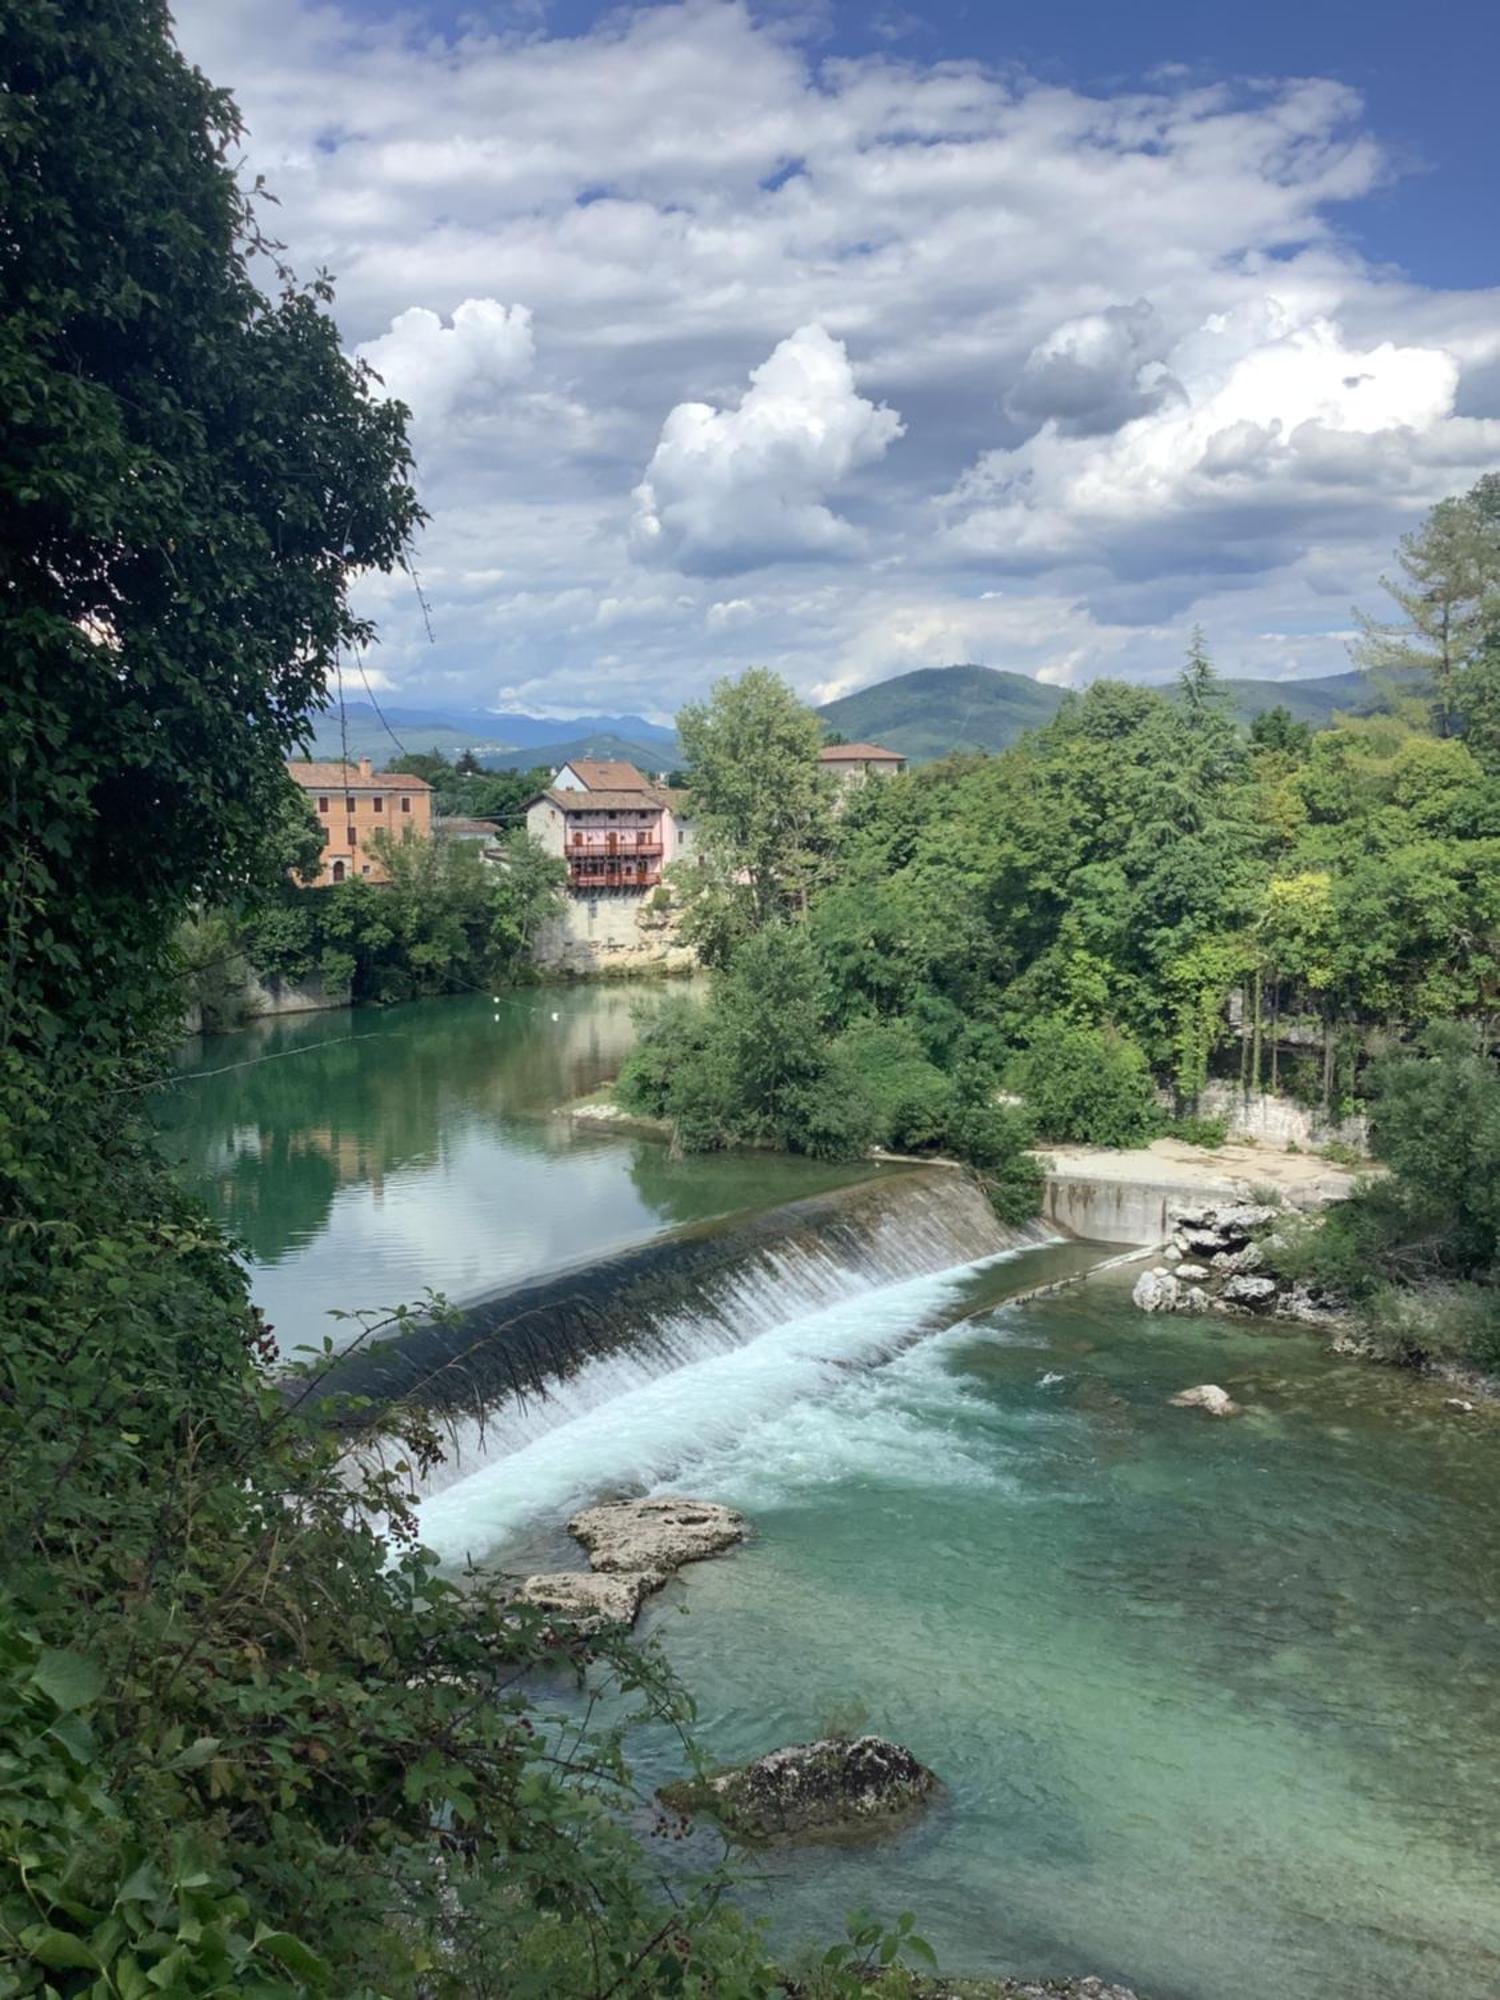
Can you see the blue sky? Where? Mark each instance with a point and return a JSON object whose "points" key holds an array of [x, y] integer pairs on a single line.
{"points": [[852, 339]]}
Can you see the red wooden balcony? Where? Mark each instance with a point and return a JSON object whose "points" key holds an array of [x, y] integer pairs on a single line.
{"points": [[616, 874], [609, 846]]}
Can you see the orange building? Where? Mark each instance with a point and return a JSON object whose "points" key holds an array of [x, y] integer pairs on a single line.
{"points": [[354, 802]]}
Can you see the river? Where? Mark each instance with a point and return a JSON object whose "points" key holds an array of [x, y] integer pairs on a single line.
{"points": [[1215, 1703]]}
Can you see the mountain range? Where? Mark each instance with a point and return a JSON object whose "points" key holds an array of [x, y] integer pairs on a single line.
{"points": [[923, 714], [933, 710]]}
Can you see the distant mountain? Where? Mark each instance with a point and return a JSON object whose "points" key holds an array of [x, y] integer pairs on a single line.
{"points": [[933, 710], [657, 755], [927, 713], [452, 730]]}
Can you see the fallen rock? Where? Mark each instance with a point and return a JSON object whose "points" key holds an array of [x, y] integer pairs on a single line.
{"points": [[1307, 1307], [1191, 1274], [1157, 1291], [660, 1534], [1213, 1232], [837, 1788], [1207, 1396], [1251, 1294], [590, 1601], [1459, 1405], [1249, 1259]]}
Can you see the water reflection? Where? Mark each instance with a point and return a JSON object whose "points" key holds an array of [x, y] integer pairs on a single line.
{"points": [[361, 1159]]}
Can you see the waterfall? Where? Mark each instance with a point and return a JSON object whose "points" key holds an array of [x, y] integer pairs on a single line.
{"points": [[606, 1375]]}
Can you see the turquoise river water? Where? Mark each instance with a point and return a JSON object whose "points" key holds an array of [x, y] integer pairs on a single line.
{"points": [[1215, 1703]]}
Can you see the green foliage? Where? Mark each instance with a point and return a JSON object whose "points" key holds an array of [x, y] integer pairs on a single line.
{"points": [[1448, 598], [763, 808], [913, 1100], [190, 469], [446, 921], [761, 1069], [1089, 1085], [463, 790], [1418, 1248]]}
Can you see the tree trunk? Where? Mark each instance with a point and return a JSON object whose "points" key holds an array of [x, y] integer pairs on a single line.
{"points": [[1275, 1029], [1255, 1038]]}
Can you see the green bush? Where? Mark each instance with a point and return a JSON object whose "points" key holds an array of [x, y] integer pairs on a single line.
{"points": [[1088, 1085], [911, 1097]]}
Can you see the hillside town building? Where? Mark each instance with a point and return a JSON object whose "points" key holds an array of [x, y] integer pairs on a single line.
{"points": [[353, 802], [617, 830], [853, 762]]}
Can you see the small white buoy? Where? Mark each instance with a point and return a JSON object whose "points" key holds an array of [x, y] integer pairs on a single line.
{"points": [[556, 1016], [494, 999]]}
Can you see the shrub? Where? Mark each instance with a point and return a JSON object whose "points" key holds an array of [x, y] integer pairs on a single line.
{"points": [[1089, 1085], [911, 1098]]}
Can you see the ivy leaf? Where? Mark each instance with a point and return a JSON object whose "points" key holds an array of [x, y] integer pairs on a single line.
{"points": [[70, 1679], [56, 1949]]}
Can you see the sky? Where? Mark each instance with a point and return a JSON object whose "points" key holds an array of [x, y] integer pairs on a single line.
{"points": [[851, 339]]}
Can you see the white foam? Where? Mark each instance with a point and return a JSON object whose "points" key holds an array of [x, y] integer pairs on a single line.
{"points": [[615, 1426]]}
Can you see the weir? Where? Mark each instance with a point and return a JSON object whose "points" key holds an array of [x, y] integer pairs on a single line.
{"points": [[710, 1284]]}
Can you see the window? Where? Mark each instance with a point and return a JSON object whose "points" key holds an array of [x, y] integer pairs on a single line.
{"points": [[337, 871], [379, 803], [322, 805], [349, 803], [352, 841], [366, 869], [405, 803]]}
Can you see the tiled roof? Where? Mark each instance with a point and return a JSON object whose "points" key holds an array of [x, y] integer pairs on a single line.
{"points": [[577, 802], [458, 824], [601, 775], [858, 753], [314, 777]]}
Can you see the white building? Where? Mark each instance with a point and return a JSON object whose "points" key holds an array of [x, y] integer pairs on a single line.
{"points": [[617, 830]]}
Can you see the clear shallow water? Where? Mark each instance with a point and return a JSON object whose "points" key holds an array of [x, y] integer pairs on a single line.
{"points": [[363, 1158], [1216, 1703]]}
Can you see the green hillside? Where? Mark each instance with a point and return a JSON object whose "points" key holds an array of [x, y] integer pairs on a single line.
{"points": [[646, 757], [933, 710], [927, 713]]}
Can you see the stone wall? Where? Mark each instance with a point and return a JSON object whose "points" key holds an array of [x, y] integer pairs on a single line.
{"points": [[616, 930], [281, 996], [1279, 1121]]}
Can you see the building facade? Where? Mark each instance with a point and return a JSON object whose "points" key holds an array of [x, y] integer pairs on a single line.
{"points": [[616, 830], [854, 762], [353, 802]]}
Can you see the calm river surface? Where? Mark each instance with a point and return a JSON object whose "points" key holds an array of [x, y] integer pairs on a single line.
{"points": [[1217, 1704], [364, 1158]]}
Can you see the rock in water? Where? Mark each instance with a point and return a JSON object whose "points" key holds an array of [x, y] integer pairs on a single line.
{"points": [[1207, 1396], [660, 1534], [1157, 1292], [588, 1601], [1251, 1293], [838, 1788]]}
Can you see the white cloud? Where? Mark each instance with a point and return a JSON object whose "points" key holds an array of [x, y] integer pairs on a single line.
{"points": [[731, 490], [1144, 370], [435, 368]]}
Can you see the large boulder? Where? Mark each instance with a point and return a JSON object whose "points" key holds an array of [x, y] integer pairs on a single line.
{"points": [[837, 1788], [1157, 1292], [660, 1534], [1250, 1294], [1222, 1229], [589, 1602]]}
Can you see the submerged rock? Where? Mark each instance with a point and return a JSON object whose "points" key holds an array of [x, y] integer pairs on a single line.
{"points": [[590, 1601], [837, 1788], [660, 1534], [1207, 1396]]}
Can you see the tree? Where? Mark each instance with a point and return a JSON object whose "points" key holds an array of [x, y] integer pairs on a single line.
{"points": [[764, 808], [191, 471], [1276, 729], [1448, 595]]}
